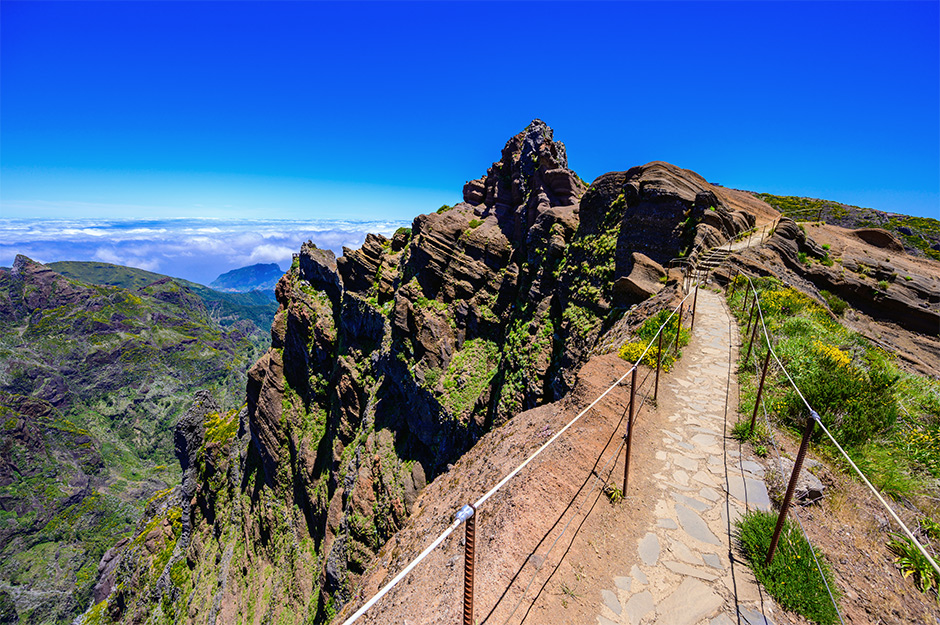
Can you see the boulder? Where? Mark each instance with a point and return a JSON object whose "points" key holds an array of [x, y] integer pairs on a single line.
{"points": [[879, 238], [644, 281], [809, 488], [474, 192]]}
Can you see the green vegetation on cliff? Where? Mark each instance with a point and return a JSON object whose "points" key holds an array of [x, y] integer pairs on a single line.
{"points": [[92, 379]]}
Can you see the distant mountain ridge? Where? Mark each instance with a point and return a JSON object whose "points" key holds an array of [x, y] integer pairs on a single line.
{"points": [[225, 307], [259, 277]]}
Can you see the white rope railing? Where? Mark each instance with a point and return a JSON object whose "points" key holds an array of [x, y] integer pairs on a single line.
{"points": [[462, 515]]}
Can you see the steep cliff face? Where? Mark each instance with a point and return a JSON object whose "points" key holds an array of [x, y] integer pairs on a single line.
{"points": [[389, 363]]}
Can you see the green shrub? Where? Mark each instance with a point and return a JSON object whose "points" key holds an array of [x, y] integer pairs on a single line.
{"points": [[444, 208], [836, 304], [855, 400], [474, 223], [632, 351], [792, 578], [883, 285]]}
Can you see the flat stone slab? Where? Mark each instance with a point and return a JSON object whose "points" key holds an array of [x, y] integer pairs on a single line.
{"points": [[753, 467], [691, 602], [750, 491], [603, 620], [709, 493], [623, 583], [681, 551], [649, 549], [691, 571], [668, 524], [712, 560], [686, 463], [638, 575], [638, 606], [753, 617], [695, 504], [611, 601], [694, 526]]}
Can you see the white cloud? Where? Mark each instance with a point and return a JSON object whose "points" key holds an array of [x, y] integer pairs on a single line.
{"points": [[195, 249], [106, 255], [270, 254]]}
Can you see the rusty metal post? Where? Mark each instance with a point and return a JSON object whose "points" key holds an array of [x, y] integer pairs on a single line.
{"points": [[797, 465], [678, 328], [468, 568], [747, 294], [751, 344], [659, 359], [750, 317], [733, 283], [760, 389], [694, 306], [626, 460]]}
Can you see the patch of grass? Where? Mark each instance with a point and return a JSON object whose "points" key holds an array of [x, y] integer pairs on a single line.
{"points": [[475, 223], [613, 493], [468, 374], [836, 304], [913, 564], [792, 578]]}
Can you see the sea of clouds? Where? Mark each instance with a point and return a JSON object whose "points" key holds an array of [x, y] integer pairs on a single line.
{"points": [[195, 249]]}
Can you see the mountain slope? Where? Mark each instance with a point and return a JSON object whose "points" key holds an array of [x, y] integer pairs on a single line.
{"points": [[225, 308], [92, 379]]}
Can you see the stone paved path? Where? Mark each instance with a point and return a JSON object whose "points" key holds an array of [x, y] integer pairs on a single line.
{"points": [[687, 571]]}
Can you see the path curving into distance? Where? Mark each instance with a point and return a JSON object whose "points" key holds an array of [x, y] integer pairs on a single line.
{"points": [[687, 569]]}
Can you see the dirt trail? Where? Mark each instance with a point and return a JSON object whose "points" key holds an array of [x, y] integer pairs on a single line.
{"points": [[685, 569]]}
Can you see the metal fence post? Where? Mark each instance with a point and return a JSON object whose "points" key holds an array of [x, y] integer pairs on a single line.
{"points": [[468, 568], [751, 344], [733, 283], [760, 389], [626, 460], [694, 306], [659, 359], [678, 328], [751, 317], [747, 295], [797, 465]]}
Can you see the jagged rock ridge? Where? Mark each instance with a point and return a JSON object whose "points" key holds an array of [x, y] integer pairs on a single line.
{"points": [[388, 363]]}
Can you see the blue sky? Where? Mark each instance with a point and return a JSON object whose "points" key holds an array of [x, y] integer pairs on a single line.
{"points": [[307, 110]]}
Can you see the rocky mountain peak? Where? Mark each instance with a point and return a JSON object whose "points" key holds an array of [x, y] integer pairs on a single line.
{"points": [[532, 174]]}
